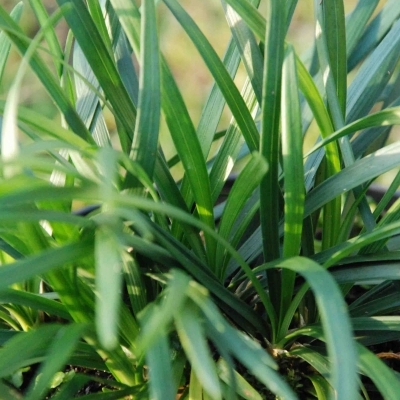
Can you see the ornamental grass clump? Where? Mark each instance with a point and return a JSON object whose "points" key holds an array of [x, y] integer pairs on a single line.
{"points": [[126, 267]]}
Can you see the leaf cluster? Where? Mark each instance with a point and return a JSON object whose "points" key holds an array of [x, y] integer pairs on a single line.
{"points": [[193, 285]]}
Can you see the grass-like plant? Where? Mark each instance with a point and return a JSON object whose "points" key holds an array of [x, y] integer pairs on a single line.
{"points": [[286, 288]]}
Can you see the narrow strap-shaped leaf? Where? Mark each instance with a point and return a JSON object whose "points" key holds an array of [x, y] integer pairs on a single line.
{"points": [[50, 83], [328, 39], [169, 192], [179, 124], [34, 301], [334, 31], [248, 48], [388, 116], [157, 318], [217, 69], [5, 43], [188, 148], [332, 210], [192, 336], [98, 13], [87, 101], [336, 324], [244, 185], [50, 35], [373, 75], [215, 103], [123, 56], [63, 343], [44, 125], [292, 158], [270, 139], [108, 285], [356, 23], [209, 120], [361, 171], [230, 147], [145, 141], [233, 342], [158, 359], [103, 66], [25, 348], [290, 8], [375, 31], [251, 16], [383, 377]]}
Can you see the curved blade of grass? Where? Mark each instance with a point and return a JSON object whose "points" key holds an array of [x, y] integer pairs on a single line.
{"points": [[123, 55], [388, 116], [108, 286], [375, 31], [160, 369], [209, 120], [333, 31], [27, 268], [251, 16], [192, 336], [243, 388], [230, 147], [87, 101], [26, 348], [169, 192], [254, 359], [383, 377], [217, 69], [47, 127], [332, 256], [50, 34], [367, 274], [373, 76], [179, 123], [361, 171], [317, 361], [98, 12], [244, 186], [336, 323], [189, 150], [270, 195], [248, 48], [34, 301], [92, 45], [145, 142], [332, 210], [9, 137], [5, 43], [322, 389], [247, 351], [383, 305], [158, 318], [356, 23], [292, 158], [108, 259], [39, 66], [63, 344], [215, 103]]}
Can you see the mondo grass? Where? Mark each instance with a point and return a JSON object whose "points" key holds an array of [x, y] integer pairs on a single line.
{"points": [[132, 267]]}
